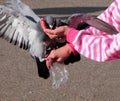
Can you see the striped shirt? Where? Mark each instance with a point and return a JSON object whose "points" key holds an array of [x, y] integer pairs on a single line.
{"points": [[95, 44]]}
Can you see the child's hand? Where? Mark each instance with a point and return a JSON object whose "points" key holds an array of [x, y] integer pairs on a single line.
{"points": [[58, 32], [58, 55]]}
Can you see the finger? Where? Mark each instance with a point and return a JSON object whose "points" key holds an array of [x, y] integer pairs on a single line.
{"points": [[51, 57], [49, 32], [43, 24], [56, 31], [60, 60], [49, 62]]}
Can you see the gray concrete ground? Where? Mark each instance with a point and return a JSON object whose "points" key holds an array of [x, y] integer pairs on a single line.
{"points": [[88, 80]]}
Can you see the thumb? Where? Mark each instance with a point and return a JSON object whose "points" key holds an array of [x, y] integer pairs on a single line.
{"points": [[43, 24]]}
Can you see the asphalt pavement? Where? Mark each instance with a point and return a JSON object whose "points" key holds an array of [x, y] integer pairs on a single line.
{"points": [[87, 80]]}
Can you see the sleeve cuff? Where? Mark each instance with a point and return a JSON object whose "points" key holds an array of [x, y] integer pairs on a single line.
{"points": [[71, 35]]}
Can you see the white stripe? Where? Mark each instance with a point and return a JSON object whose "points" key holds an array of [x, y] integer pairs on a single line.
{"points": [[95, 50], [103, 52], [76, 42], [85, 47]]}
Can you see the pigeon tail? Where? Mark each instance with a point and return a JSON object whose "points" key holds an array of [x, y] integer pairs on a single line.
{"points": [[42, 69]]}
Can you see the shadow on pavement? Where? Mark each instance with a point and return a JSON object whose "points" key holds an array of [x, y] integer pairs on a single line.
{"points": [[68, 10]]}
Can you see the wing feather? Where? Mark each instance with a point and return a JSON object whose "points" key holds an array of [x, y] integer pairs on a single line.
{"points": [[8, 32], [22, 8], [1, 27], [10, 29], [4, 29], [23, 32], [15, 37]]}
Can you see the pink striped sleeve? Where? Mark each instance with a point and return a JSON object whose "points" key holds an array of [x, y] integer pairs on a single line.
{"points": [[100, 48], [97, 45]]}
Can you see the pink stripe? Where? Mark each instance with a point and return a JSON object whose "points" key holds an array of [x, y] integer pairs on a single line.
{"points": [[89, 48], [117, 16], [110, 14], [101, 50], [80, 46], [113, 52], [81, 42], [106, 16], [92, 53], [107, 47], [87, 38], [95, 52], [88, 41], [117, 4], [118, 22], [83, 50], [90, 30]]}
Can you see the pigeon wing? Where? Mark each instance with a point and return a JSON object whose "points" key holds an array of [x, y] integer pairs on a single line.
{"points": [[77, 20], [13, 29], [22, 8]]}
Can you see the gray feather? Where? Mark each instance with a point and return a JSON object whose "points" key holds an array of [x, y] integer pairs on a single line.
{"points": [[22, 32], [22, 8], [20, 26]]}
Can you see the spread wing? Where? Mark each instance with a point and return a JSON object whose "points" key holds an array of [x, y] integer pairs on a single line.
{"points": [[21, 31], [77, 20], [22, 8], [18, 24], [13, 29]]}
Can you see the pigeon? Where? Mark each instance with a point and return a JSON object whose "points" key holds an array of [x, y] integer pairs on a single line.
{"points": [[53, 22], [20, 25], [81, 21]]}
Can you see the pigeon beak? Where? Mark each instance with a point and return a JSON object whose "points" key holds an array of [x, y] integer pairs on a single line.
{"points": [[51, 26]]}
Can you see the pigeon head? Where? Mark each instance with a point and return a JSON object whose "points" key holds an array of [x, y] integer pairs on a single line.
{"points": [[50, 21]]}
